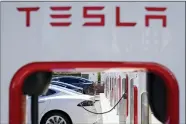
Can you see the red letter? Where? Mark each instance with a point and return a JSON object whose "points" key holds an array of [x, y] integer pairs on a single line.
{"points": [[161, 17], [60, 16], [95, 16], [118, 23], [27, 10]]}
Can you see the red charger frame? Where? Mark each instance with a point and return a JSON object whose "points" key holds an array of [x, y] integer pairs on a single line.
{"points": [[135, 105], [119, 80], [17, 100], [127, 92]]}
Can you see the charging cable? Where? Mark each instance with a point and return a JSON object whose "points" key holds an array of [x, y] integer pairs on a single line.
{"points": [[124, 96]]}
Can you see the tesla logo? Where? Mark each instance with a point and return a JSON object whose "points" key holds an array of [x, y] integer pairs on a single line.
{"points": [[62, 16], [95, 14], [161, 17]]}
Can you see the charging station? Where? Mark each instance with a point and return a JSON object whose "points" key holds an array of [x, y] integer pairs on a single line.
{"points": [[43, 45]]}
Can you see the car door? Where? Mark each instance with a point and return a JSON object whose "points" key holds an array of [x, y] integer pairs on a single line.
{"points": [[42, 104]]}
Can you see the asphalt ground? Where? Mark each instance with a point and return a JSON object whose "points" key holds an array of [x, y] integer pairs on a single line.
{"points": [[99, 109]]}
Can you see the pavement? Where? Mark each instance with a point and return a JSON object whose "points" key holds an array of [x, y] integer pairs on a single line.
{"points": [[99, 109], [111, 117]]}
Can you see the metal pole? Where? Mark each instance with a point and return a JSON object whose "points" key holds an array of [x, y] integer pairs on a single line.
{"points": [[34, 109]]}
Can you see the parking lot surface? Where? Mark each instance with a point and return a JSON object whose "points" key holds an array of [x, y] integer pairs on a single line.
{"points": [[99, 109], [111, 117]]}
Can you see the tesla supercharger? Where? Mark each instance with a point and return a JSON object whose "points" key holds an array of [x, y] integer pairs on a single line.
{"points": [[110, 88], [118, 91], [139, 106], [110, 99], [140, 38], [131, 104], [135, 89], [122, 104], [109, 83], [130, 98], [114, 90], [106, 86], [143, 105], [139, 87]]}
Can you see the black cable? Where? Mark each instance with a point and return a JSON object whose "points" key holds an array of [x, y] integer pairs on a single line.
{"points": [[122, 97], [34, 109]]}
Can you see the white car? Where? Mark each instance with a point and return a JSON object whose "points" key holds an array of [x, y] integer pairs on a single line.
{"points": [[59, 106], [65, 91]]}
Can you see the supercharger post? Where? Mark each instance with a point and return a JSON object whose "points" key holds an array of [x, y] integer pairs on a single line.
{"points": [[122, 104]]}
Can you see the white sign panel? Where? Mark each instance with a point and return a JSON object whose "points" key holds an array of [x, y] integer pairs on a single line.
{"points": [[92, 31]]}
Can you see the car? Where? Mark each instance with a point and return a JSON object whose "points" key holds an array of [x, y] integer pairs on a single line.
{"points": [[66, 85], [58, 90], [87, 85], [58, 106]]}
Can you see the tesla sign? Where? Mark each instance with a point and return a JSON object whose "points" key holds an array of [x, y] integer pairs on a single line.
{"points": [[96, 15]]}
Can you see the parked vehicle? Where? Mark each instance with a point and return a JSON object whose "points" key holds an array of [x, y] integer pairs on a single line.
{"points": [[58, 90], [62, 106], [87, 85], [66, 85]]}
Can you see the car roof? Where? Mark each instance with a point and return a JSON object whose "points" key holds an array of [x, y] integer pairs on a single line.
{"points": [[82, 97], [59, 89], [71, 77]]}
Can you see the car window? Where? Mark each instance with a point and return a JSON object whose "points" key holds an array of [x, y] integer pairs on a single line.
{"points": [[84, 80], [58, 84], [65, 80], [69, 80], [76, 80], [55, 79], [62, 79], [81, 80], [49, 92]]}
